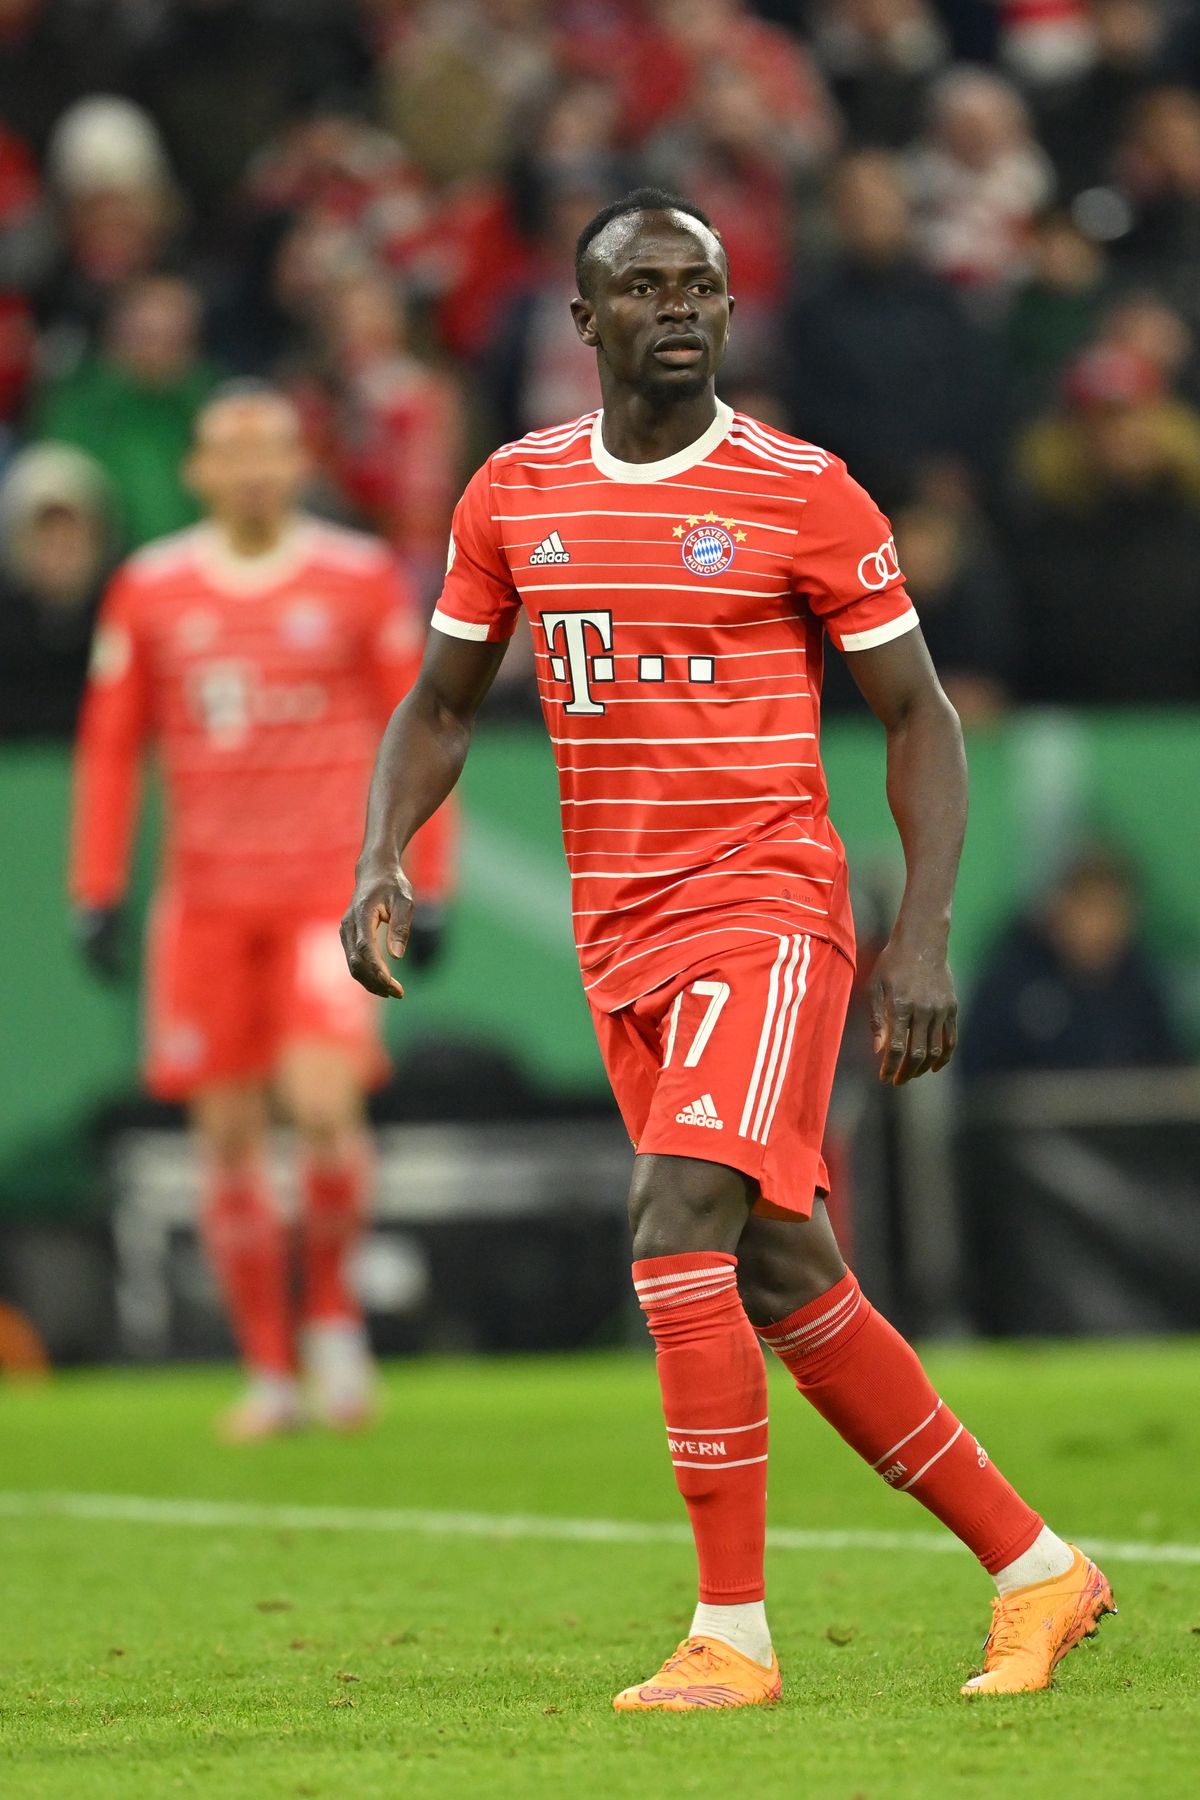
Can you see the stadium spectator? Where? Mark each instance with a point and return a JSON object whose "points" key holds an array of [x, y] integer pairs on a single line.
{"points": [[395, 425], [458, 86], [1143, 323], [889, 369], [119, 216], [222, 76], [132, 406], [51, 52], [1055, 312], [879, 57], [56, 546], [1081, 115], [1157, 235], [978, 179], [1069, 985], [1112, 478], [959, 587]]}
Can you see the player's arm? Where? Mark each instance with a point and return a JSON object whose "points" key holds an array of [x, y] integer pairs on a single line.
{"points": [[113, 725], [419, 762], [425, 745], [914, 1010]]}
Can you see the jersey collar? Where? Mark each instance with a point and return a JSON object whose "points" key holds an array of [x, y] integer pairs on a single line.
{"points": [[254, 574], [684, 459]]}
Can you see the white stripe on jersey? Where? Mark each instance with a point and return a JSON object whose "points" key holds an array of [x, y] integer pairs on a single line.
{"points": [[773, 737], [879, 634], [599, 512]]}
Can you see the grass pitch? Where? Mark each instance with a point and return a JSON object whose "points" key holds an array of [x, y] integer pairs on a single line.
{"points": [[246, 1647]]}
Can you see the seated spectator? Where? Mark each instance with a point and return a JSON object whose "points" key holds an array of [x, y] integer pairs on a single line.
{"points": [[961, 592], [458, 85], [979, 178], [56, 548], [879, 57], [132, 406], [1143, 323], [119, 218], [1158, 167], [48, 58], [886, 367], [1069, 985], [1081, 116], [1109, 544], [395, 426], [1054, 312], [221, 77], [538, 373]]}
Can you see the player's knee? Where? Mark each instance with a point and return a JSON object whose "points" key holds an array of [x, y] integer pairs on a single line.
{"points": [[677, 1205], [784, 1266]]}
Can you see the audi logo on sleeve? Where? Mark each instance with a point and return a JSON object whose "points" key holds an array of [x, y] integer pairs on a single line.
{"points": [[879, 568]]}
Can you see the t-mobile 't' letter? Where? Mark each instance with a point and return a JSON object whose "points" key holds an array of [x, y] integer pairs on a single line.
{"points": [[576, 665]]}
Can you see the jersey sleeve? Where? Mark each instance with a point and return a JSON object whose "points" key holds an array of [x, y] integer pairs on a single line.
{"points": [[114, 722], [479, 600], [845, 566]]}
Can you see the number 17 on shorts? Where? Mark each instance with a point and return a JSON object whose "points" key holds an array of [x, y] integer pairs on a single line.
{"points": [[733, 1062]]}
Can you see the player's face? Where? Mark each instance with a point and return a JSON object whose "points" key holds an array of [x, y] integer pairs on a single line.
{"points": [[249, 465], [660, 305]]}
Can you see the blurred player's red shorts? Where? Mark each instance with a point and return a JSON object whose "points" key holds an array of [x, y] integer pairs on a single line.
{"points": [[228, 989], [733, 1062]]}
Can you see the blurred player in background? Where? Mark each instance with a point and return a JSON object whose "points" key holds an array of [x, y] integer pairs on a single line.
{"points": [[260, 651], [682, 564]]}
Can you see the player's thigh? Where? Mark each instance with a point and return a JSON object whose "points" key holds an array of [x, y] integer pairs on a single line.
{"points": [[749, 1047], [202, 1000], [322, 1008]]}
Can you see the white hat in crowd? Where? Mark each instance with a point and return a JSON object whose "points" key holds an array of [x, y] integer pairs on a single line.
{"points": [[105, 144]]}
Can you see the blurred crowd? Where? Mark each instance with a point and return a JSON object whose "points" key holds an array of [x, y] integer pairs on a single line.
{"points": [[965, 242]]}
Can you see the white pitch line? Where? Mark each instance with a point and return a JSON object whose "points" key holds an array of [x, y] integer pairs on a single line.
{"points": [[143, 1509]]}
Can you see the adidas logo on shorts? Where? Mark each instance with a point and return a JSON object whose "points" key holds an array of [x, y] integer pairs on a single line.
{"points": [[550, 550], [701, 1112]]}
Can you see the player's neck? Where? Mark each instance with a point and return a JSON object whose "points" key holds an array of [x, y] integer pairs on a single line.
{"points": [[639, 428], [251, 538]]}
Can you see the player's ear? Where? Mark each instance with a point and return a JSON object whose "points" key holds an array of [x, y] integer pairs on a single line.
{"points": [[584, 314]]}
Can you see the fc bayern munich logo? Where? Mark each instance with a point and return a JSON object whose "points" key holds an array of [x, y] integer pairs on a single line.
{"points": [[708, 550]]}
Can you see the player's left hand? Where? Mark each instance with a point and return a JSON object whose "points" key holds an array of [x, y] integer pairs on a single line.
{"points": [[914, 1010]]}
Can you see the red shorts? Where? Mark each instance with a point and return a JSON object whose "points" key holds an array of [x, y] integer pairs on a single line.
{"points": [[228, 989], [733, 1062]]}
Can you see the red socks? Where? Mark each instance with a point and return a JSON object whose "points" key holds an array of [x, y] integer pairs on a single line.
{"points": [[246, 1243], [714, 1390], [333, 1211], [861, 1375]]}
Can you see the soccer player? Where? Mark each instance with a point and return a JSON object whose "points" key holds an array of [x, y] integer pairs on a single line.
{"points": [[262, 651], [681, 565]]}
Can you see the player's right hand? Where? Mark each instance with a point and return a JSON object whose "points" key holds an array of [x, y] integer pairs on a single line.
{"points": [[99, 932], [379, 900]]}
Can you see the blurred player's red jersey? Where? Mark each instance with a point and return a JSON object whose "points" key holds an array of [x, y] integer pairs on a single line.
{"points": [[679, 611], [265, 685]]}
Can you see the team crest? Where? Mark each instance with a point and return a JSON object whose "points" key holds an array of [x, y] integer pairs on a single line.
{"points": [[708, 544]]}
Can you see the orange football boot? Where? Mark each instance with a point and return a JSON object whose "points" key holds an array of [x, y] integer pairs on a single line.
{"points": [[704, 1672], [1034, 1627]]}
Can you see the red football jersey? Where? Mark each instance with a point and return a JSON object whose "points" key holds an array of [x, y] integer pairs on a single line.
{"points": [[265, 683], [678, 611]]}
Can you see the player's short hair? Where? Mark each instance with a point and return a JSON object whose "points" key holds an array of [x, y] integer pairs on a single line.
{"points": [[242, 387], [642, 199]]}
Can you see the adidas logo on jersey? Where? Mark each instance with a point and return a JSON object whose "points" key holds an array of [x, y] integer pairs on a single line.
{"points": [[701, 1112], [550, 550]]}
